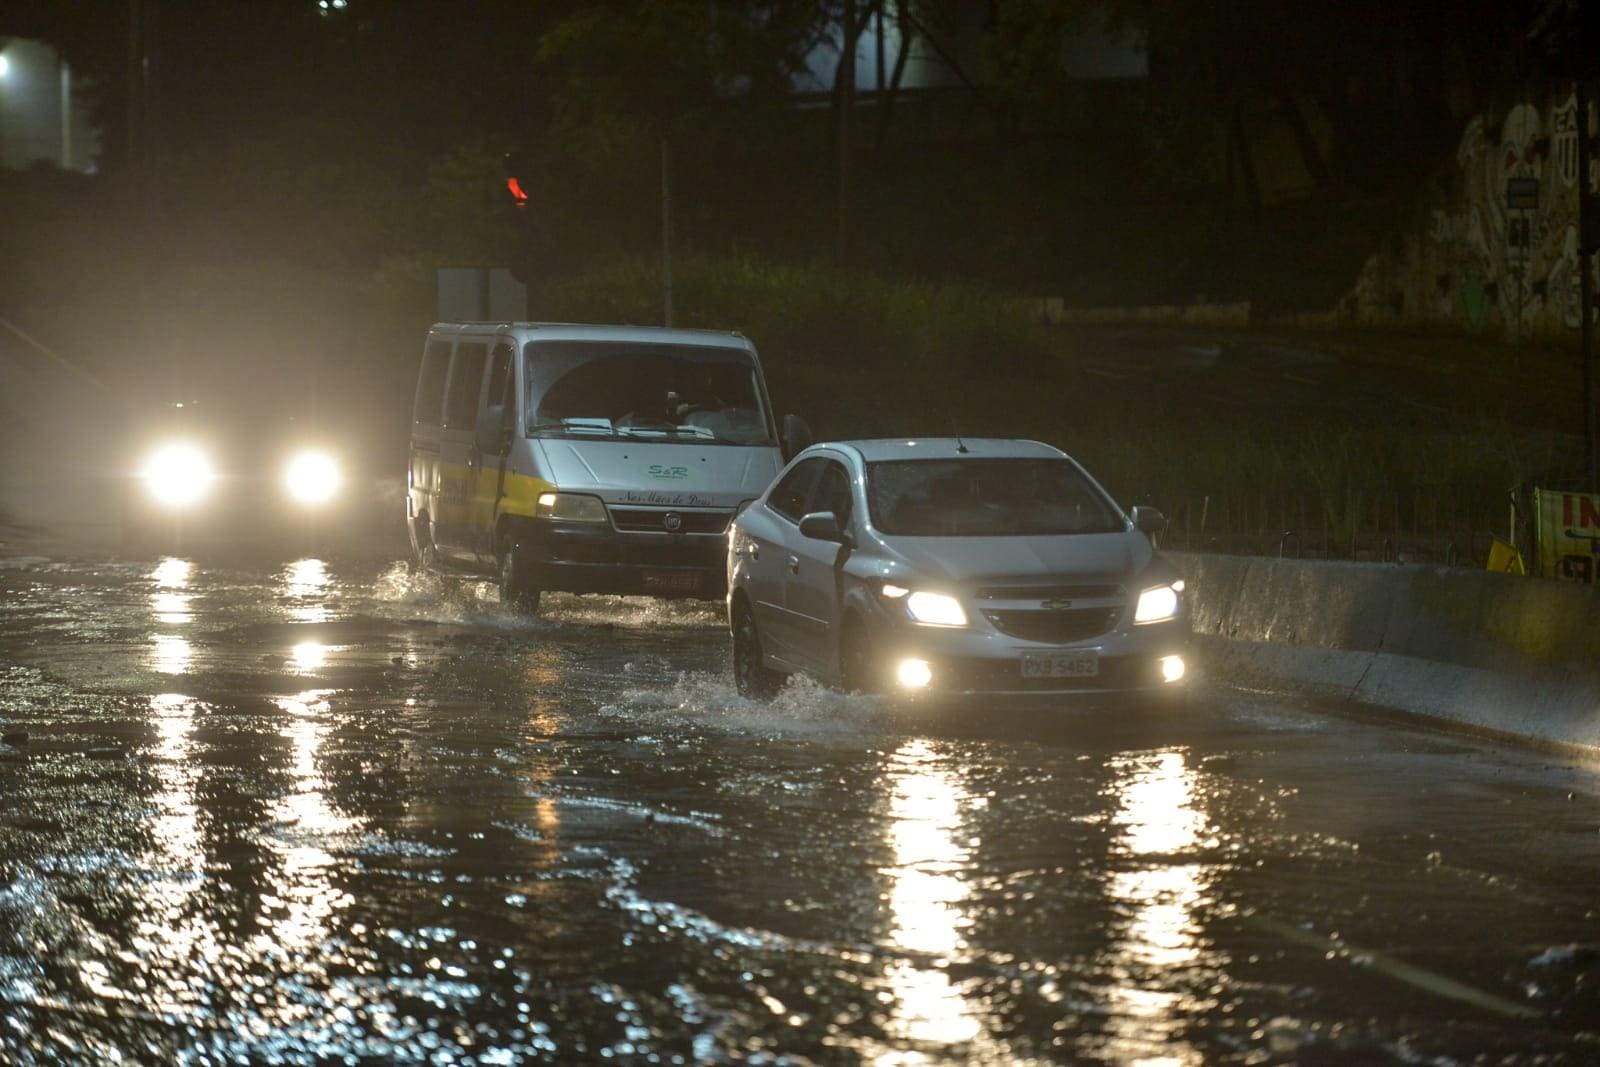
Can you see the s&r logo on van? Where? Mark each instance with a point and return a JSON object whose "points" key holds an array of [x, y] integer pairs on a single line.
{"points": [[667, 472]]}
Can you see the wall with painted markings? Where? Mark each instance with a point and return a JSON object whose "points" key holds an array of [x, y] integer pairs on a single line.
{"points": [[1471, 260]]}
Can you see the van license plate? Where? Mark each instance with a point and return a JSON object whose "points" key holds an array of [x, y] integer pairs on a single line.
{"points": [[672, 581], [1060, 664]]}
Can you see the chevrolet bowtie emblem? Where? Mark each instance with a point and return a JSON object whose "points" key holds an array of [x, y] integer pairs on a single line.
{"points": [[1059, 604]]}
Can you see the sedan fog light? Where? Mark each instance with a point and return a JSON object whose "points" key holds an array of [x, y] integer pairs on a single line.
{"points": [[1172, 668], [312, 478], [178, 475], [914, 673]]}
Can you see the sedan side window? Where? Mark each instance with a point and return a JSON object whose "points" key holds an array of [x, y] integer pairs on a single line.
{"points": [[832, 492], [788, 497]]}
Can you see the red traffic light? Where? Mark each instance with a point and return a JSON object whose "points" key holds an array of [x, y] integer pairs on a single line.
{"points": [[517, 172]]}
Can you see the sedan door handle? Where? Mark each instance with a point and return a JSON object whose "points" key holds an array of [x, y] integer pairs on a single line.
{"points": [[794, 564]]}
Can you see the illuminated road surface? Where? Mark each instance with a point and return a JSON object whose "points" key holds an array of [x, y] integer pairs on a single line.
{"points": [[312, 812]]}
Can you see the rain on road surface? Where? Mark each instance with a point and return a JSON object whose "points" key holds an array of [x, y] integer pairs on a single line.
{"points": [[317, 811]]}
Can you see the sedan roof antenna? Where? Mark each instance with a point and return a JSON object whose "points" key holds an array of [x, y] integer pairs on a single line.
{"points": [[961, 447]]}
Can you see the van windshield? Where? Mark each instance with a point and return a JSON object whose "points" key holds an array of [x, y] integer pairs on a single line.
{"points": [[673, 393], [986, 498]]}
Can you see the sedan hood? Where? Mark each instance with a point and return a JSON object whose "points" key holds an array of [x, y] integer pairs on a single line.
{"points": [[649, 473], [1117, 556]]}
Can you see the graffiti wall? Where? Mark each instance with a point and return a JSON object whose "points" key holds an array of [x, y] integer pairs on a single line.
{"points": [[1498, 251]]}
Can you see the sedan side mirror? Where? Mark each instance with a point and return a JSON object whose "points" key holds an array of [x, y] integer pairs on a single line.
{"points": [[796, 436], [1148, 519], [491, 435], [823, 526]]}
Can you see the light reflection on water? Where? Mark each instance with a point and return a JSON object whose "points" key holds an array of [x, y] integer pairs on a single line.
{"points": [[1157, 936], [172, 606], [173, 929], [926, 895], [298, 912], [171, 654], [310, 656], [305, 582]]}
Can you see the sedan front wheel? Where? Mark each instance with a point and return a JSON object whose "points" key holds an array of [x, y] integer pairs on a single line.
{"points": [[751, 675]]}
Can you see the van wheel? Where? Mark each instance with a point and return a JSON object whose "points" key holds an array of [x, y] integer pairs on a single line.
{"points": [[751, 676], [517, 589], [859, 671]]}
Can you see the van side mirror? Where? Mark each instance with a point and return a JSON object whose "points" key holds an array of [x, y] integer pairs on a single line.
{"points": [[823, 526], [796, 436], [493, 435], [1148, 519]]}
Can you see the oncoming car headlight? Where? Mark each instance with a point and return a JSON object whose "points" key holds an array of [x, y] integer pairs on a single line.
{"points": [[178, 475], [312, 478], [1158, 604], [571, 507]]}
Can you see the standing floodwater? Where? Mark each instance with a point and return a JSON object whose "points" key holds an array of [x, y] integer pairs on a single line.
{"points": [[315, 810]]}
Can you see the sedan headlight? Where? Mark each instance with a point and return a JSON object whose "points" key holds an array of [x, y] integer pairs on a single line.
{"points": [[1158, 604], [312, 478], [571, 507], [935, 609], [178, 475]]}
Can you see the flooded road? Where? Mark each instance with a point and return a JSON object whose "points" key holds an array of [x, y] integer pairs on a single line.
{"points": [[318, 811]]}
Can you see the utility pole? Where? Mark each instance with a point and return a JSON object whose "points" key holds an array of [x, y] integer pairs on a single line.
{"points": [[666, 232], [847, 102], [1587, 225]]}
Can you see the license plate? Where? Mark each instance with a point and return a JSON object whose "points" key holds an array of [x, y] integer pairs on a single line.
{"points": [[672, 581], [1060, 664]]}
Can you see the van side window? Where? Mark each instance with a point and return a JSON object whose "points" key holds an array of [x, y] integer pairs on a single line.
{"points": [[788, 497], [466, 382], [430, 384], [500, 376]]}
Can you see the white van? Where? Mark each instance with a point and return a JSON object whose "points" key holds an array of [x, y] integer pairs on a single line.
{"points": [[587, 459]]}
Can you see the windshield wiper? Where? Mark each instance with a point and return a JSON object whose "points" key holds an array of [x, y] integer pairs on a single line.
{"points": [[597, 427], [700, 433]]}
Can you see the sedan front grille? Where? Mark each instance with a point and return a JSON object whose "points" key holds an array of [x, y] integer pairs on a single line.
{"points": [[1051, 592], [1055, 627]]}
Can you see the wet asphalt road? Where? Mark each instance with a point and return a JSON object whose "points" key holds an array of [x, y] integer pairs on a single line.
{"points": [[317, 811]]}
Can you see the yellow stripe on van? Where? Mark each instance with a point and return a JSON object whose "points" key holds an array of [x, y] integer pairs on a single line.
{"points": [[466, 495], [522, 494]]}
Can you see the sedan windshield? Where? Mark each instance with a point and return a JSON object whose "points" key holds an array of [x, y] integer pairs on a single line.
{"points": [[661, 392], [986, 498]]}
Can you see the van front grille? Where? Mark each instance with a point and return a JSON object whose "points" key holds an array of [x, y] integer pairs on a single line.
{"points": [[654, 520]]}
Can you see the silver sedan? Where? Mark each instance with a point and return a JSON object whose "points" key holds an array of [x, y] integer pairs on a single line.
{"points": [[947, 567]]}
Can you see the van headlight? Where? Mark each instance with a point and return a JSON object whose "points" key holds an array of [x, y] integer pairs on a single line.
{"points": [[1158, 604], [571, 507], [312, 478], [178, 475]]}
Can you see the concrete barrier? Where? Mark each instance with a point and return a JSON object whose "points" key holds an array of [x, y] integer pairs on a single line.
{"points": [[1054, 311], [1512, 656]]}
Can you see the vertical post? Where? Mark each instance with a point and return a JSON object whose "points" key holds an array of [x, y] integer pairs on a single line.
{"points": [[66, 115], [1586, 228], [881, 56], [847, 100], [666, 232]]}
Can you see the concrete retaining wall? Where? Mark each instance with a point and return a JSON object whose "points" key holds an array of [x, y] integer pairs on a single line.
{"points": [[1493, 652]]}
